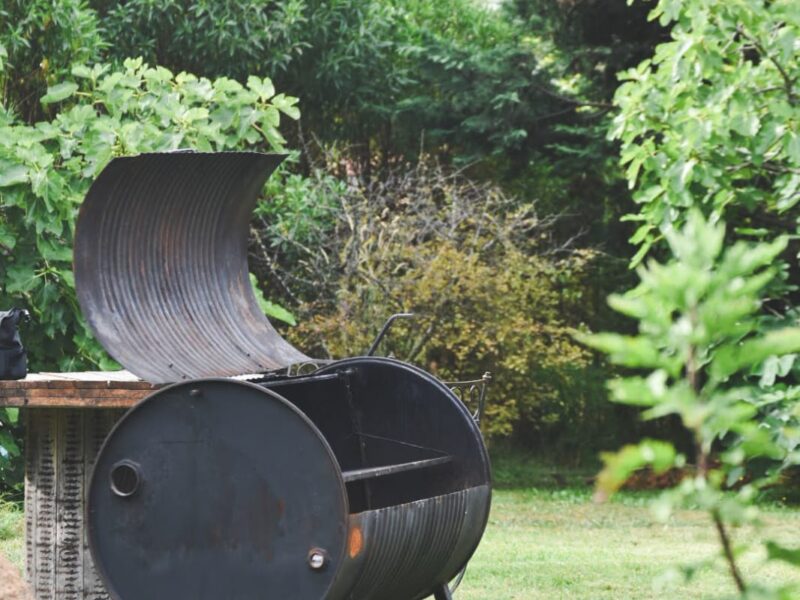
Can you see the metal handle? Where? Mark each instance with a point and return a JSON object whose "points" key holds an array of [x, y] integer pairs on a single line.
{"points": [[385, 329]]}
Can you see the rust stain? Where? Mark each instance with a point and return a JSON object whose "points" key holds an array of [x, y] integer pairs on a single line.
{"points": [[356, 542]]}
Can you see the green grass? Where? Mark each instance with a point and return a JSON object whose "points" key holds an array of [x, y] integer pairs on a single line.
{"points": [[12, 529], [544, 542], [558, 544]]}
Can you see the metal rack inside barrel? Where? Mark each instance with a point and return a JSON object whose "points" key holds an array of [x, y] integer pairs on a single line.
{"points": [[244, 476]]}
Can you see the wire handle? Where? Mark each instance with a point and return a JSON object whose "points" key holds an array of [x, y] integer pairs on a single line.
{"points": [[385, 329]]}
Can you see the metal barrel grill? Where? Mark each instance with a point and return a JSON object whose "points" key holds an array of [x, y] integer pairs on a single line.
{"points": [[248, 476]]}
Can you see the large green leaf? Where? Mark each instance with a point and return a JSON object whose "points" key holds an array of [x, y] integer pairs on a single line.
{"points": [[59, 92], [12, 174], [748, 354]]}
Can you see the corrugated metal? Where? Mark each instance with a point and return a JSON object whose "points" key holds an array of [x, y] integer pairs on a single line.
{"points": [[161, 266], [407, 549]]}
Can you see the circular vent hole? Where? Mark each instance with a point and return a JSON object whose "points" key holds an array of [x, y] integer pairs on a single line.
{"points": [[125, 478]]}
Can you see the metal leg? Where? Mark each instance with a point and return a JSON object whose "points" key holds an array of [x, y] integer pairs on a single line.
{"points": [[443, 593]]}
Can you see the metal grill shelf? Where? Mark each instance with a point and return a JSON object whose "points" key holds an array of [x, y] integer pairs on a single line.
{"points": [[371, 472]]}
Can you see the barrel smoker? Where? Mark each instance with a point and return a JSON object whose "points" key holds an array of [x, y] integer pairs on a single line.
{"points": [[257, 472]]}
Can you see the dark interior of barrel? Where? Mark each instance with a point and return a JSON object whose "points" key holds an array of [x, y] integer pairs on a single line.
{"points": [[399, 435]]}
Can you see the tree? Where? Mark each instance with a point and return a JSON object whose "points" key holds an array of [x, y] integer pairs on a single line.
{"points": [[699, 329], [709, 130], [713, 118]]}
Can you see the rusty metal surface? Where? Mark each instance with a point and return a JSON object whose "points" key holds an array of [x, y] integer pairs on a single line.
{"points": [[161, 266], [367, 479], [217, 489], [411, 549]]}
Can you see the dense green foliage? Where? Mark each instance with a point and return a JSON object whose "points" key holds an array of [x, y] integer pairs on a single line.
{"points": [[40, 40], [236, 38], [713, 119], [387, 70], [709, 125], [515, 96]]}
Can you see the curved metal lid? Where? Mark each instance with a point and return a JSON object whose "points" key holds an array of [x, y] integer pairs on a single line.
{"points": [[161, 266]]}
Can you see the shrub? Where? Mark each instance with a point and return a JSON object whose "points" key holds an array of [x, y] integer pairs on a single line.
{"points": [[235, 38], [480, 272], [41, 40]]}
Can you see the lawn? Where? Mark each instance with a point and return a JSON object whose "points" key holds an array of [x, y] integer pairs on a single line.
{"points": [[12, 529], [549, 542], [558, 544], [547, 539]]}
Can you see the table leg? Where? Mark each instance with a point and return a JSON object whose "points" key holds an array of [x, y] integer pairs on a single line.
{"points": [[60, 449]]}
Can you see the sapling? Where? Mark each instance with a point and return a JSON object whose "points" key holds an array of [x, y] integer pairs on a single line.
{"points": [[700, 340]]}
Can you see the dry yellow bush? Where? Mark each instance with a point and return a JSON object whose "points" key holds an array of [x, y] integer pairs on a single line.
{"points": [[490, 288]]}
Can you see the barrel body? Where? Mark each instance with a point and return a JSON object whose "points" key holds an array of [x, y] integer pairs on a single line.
{"points": [[367, 479], [411, 531], [406, 551]]}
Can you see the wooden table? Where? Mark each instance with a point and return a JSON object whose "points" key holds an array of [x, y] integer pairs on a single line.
{"points": [[67, 416]]}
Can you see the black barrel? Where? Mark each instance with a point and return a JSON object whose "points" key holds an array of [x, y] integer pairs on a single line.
{"points": [[365, 479]]}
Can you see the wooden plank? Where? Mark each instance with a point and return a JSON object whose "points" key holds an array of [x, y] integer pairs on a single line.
{"points": [[88, 403], [79, 394], [121, 376], [88, 379], [63, 384], [92, 389], [16, 387]]}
